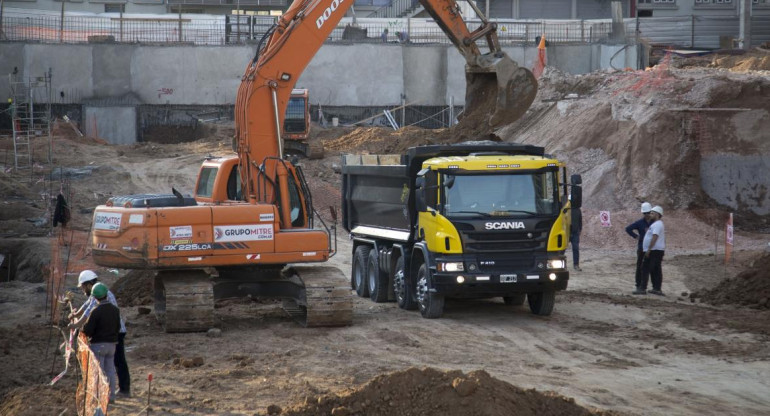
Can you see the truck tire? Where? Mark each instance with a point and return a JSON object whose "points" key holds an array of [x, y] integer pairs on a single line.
{"points": [[515, 300], [376, 279], [431, 304], [542, 303], [404, 293], [360, 258]]}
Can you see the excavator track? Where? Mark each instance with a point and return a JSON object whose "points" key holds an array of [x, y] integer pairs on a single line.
{"points": [[184, 300], [325, 299]]}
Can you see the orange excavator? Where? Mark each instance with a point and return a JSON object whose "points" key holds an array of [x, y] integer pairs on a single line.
{"points": [[252, 213]]}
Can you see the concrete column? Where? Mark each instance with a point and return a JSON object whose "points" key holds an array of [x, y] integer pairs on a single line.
{"points": [[744, 18], [574, 10], [515, 5]]}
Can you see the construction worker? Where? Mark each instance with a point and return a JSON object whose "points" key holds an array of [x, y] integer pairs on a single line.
{"points": [[654, 246], [101, 328], [86, 281], [637, 230]]}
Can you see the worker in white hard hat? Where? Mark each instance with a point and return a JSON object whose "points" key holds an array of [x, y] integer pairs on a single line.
{"points": [[86, 282], [654, 246], [637, 230]]}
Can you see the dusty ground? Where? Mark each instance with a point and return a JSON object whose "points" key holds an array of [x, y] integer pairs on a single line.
{"points": [[603, 348]]}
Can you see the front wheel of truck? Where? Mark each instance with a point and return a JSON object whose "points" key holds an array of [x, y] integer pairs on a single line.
{"points": [[403, 291], [542, 303], [360, 258], [431, 304]]}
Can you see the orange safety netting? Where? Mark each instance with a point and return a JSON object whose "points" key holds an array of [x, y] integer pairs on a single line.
{"points": [[94, 388], [655, 78]]}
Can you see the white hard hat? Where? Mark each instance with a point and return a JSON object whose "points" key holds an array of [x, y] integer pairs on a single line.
{"points": [[86, 276], [646, 207], [658, 209]]}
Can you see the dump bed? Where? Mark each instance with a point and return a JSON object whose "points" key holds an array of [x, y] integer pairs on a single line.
{"points": [[376, 196], [378, 190]]}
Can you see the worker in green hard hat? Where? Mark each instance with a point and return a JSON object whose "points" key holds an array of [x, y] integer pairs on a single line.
{"points": [[102, 330]]}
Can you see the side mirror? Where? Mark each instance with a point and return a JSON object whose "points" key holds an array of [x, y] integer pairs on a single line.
{"points": [[419, 194], [333, 213], [577, 191]]}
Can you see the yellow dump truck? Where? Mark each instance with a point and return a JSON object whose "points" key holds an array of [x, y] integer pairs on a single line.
{"points": [[465, 221]]}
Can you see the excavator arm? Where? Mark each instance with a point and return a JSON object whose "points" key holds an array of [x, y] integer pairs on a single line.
{"points": [[498, 90]]}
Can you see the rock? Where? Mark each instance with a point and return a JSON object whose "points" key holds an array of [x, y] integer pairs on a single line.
{"points": [[336, 168], [274, 409], [191, 362], [684, 294], [341, 411], [464, 387], [214, 333], [143, 310]]}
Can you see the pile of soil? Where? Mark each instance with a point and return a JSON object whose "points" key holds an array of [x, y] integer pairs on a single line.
{"points": [[381, 140], [135, 288], [40, 400], [755, 60], [430, 391], [750, 288]]}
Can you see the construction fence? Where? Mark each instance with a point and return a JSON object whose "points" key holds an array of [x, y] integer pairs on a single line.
{"points": [[199, 29]]}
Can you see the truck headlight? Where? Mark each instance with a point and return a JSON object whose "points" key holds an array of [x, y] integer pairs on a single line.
{"points": [[556, 264], [451, 267]]}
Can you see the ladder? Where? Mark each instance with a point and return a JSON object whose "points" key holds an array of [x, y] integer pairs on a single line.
{"points": [[30, 116]]}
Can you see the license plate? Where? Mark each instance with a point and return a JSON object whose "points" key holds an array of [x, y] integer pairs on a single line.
{"points": [[507, 278]]}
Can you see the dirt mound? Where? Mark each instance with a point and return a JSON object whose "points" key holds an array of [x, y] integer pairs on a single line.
{"points": [[39, 400], [750, 288], [430, 391], [741, 63], [668, 135], [135, 288], [380, 140]]}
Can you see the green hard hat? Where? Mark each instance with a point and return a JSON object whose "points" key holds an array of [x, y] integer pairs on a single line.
{"points": [[99, 291]]}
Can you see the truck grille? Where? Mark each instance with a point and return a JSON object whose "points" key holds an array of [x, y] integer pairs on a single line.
{"points": [[503, 241]]}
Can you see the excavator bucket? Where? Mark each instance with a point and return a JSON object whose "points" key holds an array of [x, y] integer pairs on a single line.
{"points": [[498, 90]]}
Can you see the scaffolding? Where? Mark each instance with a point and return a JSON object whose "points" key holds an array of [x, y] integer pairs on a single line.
{"points": [[30, 108]]}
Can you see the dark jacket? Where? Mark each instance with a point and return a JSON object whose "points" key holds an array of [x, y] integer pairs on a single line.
{"points": [[576, 225], [103, 324], [640, 227]]}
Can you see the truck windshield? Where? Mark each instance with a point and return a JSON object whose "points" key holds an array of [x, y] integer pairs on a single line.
{"points": [[513, 195]]}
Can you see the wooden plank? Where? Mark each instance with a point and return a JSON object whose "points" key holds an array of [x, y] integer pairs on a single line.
{"points": [[390, 159], [352, 159], [369, 159]]}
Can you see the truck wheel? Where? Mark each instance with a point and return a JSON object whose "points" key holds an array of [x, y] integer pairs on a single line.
{"points": [[515, 300], [431, 304], [542, 303], [377, 280], [360, 257], [403, 291]]}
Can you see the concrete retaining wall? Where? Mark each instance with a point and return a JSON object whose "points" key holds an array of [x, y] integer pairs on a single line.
{"points": [[339, 75], [117, 125]]}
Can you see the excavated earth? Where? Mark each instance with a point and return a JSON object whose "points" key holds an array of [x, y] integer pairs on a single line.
{"points": [[666, 136]]}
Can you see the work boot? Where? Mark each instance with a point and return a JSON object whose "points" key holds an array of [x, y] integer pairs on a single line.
{"points": [[577, 268], [123, 394], [657, 292], [639, 291]]}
